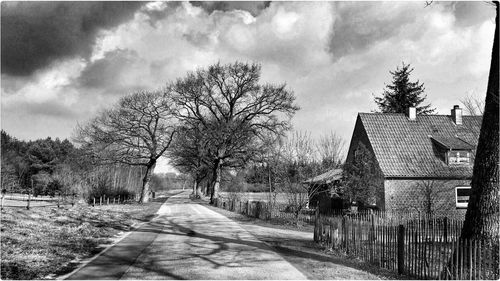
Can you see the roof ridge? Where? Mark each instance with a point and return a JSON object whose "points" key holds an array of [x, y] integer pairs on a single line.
{"points": [[393, 113]]}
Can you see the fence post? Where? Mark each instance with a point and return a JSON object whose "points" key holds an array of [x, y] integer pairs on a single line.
{"points": [[93, 204], [346, 233], [4, 191], [316, 224], [29, 195], [29, 199], [401, 249], [445, 230], [100, 201]]}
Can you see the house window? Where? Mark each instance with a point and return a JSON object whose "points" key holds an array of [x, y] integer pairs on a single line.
{"points": [[462, 194], [458, 157]]}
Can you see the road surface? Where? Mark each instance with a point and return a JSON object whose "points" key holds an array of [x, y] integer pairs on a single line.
{"points": [[189, 241]]}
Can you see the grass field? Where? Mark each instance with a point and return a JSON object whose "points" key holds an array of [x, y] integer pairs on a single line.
{"points": [[44, 240]]}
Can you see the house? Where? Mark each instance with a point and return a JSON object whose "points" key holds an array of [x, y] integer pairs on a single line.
{"points": [[323, 191], [426, 161]]}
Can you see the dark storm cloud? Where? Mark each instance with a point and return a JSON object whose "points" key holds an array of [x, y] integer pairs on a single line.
{"points": [[359, 25], [106, 72], [253, 7], [470, 13], [36, 33]]}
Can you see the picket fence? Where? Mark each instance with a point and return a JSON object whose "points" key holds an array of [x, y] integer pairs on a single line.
{"points": [[417, 246], [280, 213]]}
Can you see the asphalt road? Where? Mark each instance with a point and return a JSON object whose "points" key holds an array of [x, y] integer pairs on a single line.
{"points": [[189, 241]]}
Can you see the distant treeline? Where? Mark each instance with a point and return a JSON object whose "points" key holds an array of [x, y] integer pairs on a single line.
{"points": [[54, 167], [167, 181]]}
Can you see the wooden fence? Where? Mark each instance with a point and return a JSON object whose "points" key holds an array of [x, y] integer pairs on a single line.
{"points": [[106, 200], [421, 247], [281, 213]]}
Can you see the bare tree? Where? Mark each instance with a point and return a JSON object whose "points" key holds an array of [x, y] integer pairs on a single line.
{"points": [[136, 132], [330, 149], [473, 105], [234, 110], [430, 191], [298, 162], [189, 154]]}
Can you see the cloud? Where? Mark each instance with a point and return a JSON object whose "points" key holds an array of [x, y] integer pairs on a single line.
{"points": [[51, 108], [253, 7], [106, 72], [468, 13], [358, 26], [34, 34], [333, 55]]}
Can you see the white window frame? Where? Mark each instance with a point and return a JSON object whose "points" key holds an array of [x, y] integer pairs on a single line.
{"points": [[461, 204], [455, 155]]}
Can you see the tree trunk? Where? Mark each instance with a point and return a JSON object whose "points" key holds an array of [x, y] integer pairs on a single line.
{"points": [[198, 191], [195, 187], [482, 217], [145, 181], [207, 188], [216, 176]]}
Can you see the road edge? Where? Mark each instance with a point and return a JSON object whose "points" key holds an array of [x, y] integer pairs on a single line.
{"points": [[124, 235]]}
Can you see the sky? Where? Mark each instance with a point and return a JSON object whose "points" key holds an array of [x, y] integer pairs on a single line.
{"points": [[62, 62]]}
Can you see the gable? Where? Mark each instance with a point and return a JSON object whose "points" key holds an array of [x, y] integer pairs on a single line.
{"points": [[405, 148]]}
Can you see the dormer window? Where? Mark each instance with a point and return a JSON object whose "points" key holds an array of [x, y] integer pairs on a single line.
{"points": [[458, 157], [453, 150]]}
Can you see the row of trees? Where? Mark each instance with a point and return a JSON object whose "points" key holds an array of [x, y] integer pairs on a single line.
{"points": [[212, 119], [55, 167], [223, 118]]}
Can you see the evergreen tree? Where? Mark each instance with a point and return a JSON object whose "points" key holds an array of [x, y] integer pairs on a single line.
{"points": [[362, 177], [402, 93]]}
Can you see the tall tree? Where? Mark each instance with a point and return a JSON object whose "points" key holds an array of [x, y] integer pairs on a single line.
{"points": [[483, 213], [189, 155], [402, 94], [136, 132], [233, 109]]}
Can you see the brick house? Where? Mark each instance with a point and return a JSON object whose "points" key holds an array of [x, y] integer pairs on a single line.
{"points": [[426, 161]]}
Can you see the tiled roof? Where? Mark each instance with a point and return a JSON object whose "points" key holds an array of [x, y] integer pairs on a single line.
{"points": [[328, 177], [404, 148], [453, 143]]}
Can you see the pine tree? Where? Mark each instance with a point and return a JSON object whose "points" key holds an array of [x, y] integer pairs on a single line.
{"points": [[402, 93]]}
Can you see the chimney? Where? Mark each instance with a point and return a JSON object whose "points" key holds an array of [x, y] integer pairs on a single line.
{"points": [[456, 115], [411, 113]]}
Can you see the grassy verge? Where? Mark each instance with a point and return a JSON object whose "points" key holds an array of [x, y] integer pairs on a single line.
{"points": [[44, 240]]}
